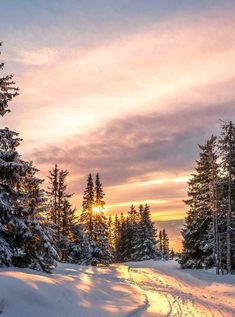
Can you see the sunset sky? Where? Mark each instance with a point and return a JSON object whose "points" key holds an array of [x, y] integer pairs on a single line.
{"points": [[125, 88]]}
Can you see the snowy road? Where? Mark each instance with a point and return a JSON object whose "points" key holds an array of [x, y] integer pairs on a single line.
{"points": [[170, 291]]}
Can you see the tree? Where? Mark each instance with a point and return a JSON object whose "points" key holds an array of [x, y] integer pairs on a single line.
{"points": [[197, 232], [227, 152], [172, 253], [100, 226], [57, 196], [165, 245], [8, 90], [146, 244], [86, 217], [99, 193], [24, 241], [160, 241], [68, 221], [94, 223]]}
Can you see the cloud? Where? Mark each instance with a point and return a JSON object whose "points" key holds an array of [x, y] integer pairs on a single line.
{"points": [[140, 158], [133, 108], [39, 57], [165, 65]]}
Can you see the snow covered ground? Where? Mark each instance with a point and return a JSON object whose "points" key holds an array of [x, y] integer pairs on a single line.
{"points": [[147, 289]]}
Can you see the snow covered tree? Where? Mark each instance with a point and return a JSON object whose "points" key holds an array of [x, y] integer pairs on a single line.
{"points": [[227, 155], [65, 242], [20, 205], [95, 224], [120, 238], [24, 240], [132, 222], [146, 244], [100, 227], [197, 232]]}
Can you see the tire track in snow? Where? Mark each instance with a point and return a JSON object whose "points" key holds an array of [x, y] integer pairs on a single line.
{"points": [[167, 297]]}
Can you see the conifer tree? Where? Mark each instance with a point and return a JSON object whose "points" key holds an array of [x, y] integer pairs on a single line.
{"points": [[24, 241], [8, 90], [100, 225], [57, 196], [197, 237], [121, 238], [165, 245], [95, 224], [116, 238], [146, 245], [160, 241], [111, 233], [172, 253], [227, 153], [86, 217], [68, 221]]}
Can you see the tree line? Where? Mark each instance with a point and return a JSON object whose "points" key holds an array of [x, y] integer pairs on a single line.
{"points": [[92, 237], [209, 231]]}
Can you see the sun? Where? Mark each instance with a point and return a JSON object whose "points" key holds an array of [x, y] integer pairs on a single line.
{"points": [[96, 209]]}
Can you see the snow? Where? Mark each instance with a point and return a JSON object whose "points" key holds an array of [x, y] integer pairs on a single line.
{"points": [[146, 289], [71, 291]]}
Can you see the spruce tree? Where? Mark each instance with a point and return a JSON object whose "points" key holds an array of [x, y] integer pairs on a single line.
{"points": [[86, 217], [24, 240], [132, 233], [57, 196], [100, 226], [160, 241], [197, 232], [227, 155], [68, 221], [146, 245], [172, 254], [8, 90], [165, 245]]}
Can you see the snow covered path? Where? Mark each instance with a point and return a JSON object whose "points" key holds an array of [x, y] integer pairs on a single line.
{"points": [[144, 289], [171, 291]]}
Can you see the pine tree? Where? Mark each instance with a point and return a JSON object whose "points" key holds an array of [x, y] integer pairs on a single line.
{"points": [[116, 238], [100, 226], [24, 241], [160, 241], [111, 233], [121, 238], [172, 254], [86, 217], [57, 196], [68, 221], [146, 245], [227, 152], [132, 222], [165, 245], [99, 193], [8, 90], [95, 224], [197, 232]]}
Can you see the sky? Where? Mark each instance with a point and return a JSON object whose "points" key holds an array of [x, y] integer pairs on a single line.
{"points": [[125, 88]]}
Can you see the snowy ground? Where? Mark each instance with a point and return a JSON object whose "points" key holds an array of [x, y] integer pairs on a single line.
{"points": [[144, 289]]}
